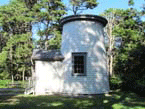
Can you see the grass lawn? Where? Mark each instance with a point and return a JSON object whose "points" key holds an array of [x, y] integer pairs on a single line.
{"points": [[115, 100]]}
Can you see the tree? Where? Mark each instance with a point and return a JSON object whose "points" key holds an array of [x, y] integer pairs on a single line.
{"points": [[131, 29], [16, 21], [3, 39], [16, 28], [79, 5], [30, 3], [48, 13], [130, 2], [112, 16]]}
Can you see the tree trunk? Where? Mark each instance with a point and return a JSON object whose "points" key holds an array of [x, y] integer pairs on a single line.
{"points": [[12, 79], [111, 65], [111, 22], [23, 74], [11, 66], [111, 43], [46, 45]]}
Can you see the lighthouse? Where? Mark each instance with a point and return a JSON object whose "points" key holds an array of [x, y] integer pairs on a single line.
{"points": [[85, 61]]}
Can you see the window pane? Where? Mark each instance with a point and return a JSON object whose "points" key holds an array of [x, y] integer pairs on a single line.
{"points": [[79, 62]]}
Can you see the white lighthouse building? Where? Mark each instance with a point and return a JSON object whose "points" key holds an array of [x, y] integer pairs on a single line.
{"points": [[80, 67]]}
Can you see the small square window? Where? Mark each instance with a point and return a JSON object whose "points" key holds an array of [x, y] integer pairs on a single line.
{"points": [[79, 63]]}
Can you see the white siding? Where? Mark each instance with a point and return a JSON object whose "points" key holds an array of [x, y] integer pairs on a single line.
{"points": [[49, 77], [85, 36]]}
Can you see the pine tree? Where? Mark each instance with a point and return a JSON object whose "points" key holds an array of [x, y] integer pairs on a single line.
{"points": [[16, 21], [16, 27], [48, 13], [80, 5], [131, 29]]}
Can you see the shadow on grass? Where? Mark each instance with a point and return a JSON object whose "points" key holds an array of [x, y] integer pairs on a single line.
{"points": [[114, 100]]}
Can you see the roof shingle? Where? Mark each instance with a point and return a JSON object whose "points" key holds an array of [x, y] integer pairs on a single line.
{"points": [[50, 55]]}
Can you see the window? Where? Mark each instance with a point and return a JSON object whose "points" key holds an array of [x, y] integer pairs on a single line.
{"points": [[79, 63]]}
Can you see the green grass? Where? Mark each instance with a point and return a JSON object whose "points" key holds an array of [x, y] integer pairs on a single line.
{"points": [[5, 84], [115, 100]]}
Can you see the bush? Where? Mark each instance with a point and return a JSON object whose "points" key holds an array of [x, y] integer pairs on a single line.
{"points": [[141, 82], [140, 87], [115, 82], [136, 86]]}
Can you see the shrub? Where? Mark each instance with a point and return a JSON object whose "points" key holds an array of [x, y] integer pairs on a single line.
{"points": [[115, 82]]}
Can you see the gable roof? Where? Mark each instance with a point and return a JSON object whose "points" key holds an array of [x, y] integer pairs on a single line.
{"points": [[47, 55]]}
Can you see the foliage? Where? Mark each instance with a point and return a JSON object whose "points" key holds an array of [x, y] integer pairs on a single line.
{"points": [[79, 5], [3, 39], [130, 29], [7, 83], [16, 21], [130, 2], [15, 18], [47, 13], [112, 17], [3, 83], [141, 81], [129, 60], [116, 80], [16, 45], [55, 43]]}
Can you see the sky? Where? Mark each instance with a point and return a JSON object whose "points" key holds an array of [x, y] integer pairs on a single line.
{"points": [[103, 5], [106, 4]]}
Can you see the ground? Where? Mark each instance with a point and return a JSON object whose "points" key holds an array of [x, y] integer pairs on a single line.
{"points": [[114, 100]]}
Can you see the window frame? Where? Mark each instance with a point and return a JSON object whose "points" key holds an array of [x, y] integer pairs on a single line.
{"points": [[85, 63]]}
